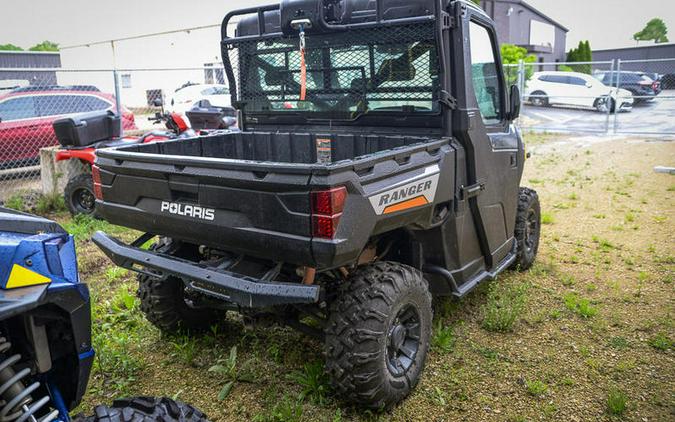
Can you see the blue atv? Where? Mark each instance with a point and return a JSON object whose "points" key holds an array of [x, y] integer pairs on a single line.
{"points": [[46, 353]]}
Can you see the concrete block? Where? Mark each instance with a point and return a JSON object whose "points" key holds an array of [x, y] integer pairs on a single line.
{"points": [[55, 175]]}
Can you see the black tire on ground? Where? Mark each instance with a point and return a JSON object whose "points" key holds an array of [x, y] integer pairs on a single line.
{"points": [[539, 99], [145, 409], [378, 333], [163, 300], [528, 228], [79, 195]]}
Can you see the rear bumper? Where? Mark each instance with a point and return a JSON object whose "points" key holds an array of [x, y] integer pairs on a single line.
{"points": [[235, 288]]}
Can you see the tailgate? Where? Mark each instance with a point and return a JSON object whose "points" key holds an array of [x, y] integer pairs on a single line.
{"points": [[243, 208]]}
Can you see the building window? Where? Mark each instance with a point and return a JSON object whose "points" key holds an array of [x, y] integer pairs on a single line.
{"points": [[126, 80]]}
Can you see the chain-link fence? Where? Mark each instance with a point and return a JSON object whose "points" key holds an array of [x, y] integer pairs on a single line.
{"points": [[617, 96], [607, 97], [31, 99]]}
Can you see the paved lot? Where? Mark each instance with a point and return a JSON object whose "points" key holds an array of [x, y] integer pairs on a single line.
{"points": [[654, 116]]}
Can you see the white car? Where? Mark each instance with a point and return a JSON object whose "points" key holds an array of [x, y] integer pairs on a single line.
{"points": [[574, 89], [183, 99]]}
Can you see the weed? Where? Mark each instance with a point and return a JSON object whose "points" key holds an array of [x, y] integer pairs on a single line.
{"points": [[505, 303], [536, 388], [661, 342], [573, 196], [554, 314], [579, 305], [438, 396], [230, 373], [547, 218], [567, 381], [488, 353], [599, 216], [285, 410], [83, 226], [603, 244], [618, 342], [114, 363], [660, 219], [184, 348], [616, 402], [114, 273], [274, 351], [590, 287], [443, 337], [314, 382], [16, 202], [50, 203], [568, 280], [629, 217], [549, 410]]}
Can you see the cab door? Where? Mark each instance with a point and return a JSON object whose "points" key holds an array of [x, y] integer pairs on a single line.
{"points": [[481, 123]]}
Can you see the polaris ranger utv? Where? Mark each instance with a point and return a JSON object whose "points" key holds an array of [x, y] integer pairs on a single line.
{"points": [[377, 165]]}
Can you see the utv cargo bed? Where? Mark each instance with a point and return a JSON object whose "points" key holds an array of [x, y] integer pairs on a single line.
{"points": [[314, 149], [250, 193]]}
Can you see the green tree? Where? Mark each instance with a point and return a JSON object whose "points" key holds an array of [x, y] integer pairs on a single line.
{"points": [[654, 30], [582, 53], [45, 46], [512, 54], [10, 47]]}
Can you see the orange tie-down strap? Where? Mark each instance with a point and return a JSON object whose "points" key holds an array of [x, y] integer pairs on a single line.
{"points": [[303, 75]]}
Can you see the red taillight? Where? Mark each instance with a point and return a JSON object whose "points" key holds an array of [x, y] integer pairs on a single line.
{"points": [[327, 206], [96, 177]]}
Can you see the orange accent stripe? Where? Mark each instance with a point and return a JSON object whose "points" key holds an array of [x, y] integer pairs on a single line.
{"points": [[410, 203]]}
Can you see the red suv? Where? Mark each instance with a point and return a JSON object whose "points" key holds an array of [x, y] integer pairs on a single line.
{"points": [[27, 113]]}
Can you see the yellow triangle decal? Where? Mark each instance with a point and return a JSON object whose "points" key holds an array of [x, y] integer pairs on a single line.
{"points": [[22, 277]]}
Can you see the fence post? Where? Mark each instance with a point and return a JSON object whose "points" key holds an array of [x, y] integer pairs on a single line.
{"points": [[521, 78], [618, 84], [116, 80], [608, 101]]}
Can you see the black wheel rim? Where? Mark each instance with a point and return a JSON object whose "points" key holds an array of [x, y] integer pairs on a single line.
{"points": [[531, 230], [84, 200], [403, 340]]}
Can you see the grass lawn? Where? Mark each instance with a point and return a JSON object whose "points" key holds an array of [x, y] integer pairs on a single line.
{"points": [[586, 334]]}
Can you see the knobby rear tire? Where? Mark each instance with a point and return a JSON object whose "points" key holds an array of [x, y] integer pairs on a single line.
{"points": [[363, 324], [163, 300]]}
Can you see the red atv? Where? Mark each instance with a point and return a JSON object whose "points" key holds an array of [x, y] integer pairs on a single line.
{"points": [[81, 135]]}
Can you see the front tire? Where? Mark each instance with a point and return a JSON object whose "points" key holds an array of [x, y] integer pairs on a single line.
{"points": [[79, 195], [378, 333], [601, 105], [539, 99], [528, 228], [164, 301]]}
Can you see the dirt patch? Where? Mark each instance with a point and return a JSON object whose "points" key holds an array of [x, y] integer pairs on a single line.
{"points": [[597, 322]]}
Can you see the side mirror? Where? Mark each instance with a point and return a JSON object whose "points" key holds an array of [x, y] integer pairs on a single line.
{"points": [[157, 102], [514, 102], [588, 84]]}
